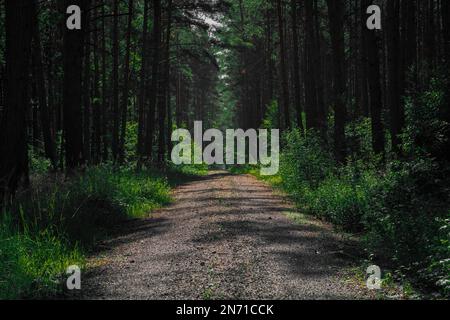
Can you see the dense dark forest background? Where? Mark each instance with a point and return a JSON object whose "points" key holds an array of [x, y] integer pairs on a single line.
{"points": [[364, 113]]}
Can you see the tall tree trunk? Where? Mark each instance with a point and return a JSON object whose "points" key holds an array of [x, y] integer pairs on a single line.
{"points": [[126, 86], [87, 87], [105, 101], [296, 57], [393, 52], [13, 140], [445, 13], [409, 43], [168, 68], [376, 104], [115, 76], [97, 125], [178, 88], [72, 92], [318, 73], [363, 75], [445, 16], [310, 79], [155, 77], [283, 68], [163, 90], [142, 84], [49, 145], [336, 16]]}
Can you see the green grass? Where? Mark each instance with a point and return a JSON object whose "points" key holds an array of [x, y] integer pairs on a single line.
{"points": [[32, 264], [56, 223], [255, 170]]}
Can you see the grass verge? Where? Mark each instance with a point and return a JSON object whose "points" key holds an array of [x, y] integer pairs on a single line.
{"points": [[56, 223]]}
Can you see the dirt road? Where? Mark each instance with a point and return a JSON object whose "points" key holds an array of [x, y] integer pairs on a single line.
{"points": [[225, 237]]}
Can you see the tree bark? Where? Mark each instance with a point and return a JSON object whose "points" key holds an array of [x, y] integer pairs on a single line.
{"points": [[283, 69], [163, 91], [72, 92], [336, 17], [296, 57], [393, 52], [376, 104], [87, 87], [126, 84], [142, 92], [13, 140], [310, 79], [115, 76], [97, 125], [49, 145], [155, 77]]}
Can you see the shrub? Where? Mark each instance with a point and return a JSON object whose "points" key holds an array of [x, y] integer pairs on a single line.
{"points": [[406, 213], [304, 161], [401, 207], [425, 132]]}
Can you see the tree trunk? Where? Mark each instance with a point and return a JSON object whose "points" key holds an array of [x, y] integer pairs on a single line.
{"points": [[168, 66], [72, 91], [283, 69], [155, 77], [126, 86], [49, 145], [393, 89], [310, 79], [105, 104], [445, 15], [445, 12], [163, 89], [296, 57], [142, 90], [87, 87], [115, 76], [97, 125], [364, 64], [336, 16], [376, 104], [13, 140]]}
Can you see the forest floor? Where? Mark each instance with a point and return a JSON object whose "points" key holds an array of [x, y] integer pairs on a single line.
{"points": [[225, 237]]}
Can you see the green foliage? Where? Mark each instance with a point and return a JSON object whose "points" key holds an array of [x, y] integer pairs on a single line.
{"points": [[425, 129], [402, 209], [38, 165], [190, 170], [359, 139], [304, 162], [439, 262], [405, 217], [43, 231], [271, 117], [131, 139], [32, 263]]}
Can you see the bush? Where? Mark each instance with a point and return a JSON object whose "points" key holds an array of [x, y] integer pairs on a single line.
{"points": [[425, 132], [404, 219], [401, 207], [339, 201], [304, 161]]}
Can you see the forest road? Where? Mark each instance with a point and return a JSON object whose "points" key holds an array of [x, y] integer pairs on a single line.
{"points": [[225, 237]]}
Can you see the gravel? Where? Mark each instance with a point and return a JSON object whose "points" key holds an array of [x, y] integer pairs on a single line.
{"points": [[225, 237]]}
